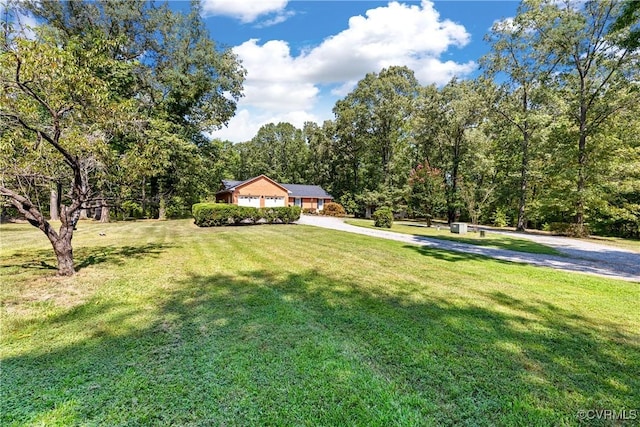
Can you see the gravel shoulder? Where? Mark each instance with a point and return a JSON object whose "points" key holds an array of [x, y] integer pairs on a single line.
{"points": [[580, 256]]}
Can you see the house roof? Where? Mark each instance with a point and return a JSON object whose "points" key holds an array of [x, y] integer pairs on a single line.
{"points": [[230, 185], [295, 190], [300, 190]]}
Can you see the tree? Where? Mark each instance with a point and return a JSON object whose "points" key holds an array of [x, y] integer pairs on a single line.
{"points": [[184, 84], [461, 112], [372, 128], [57, 111], [592, 79], [626, 27], [427, 194], [517, 102]]}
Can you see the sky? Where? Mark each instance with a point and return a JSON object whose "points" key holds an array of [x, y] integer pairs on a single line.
{"points": [[303, 56]]}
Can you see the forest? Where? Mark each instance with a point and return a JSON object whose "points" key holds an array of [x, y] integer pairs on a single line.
{"points": [[107, 108]]}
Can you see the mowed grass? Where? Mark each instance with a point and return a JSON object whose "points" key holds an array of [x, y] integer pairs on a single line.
{"points": [[443, 233], [169, 324]]}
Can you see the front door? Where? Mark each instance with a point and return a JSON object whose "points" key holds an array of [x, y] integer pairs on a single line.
{"points": [[320, 204]]}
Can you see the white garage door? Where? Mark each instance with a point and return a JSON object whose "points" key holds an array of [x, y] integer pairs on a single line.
{"points": [[272, 202], [253, 201]]}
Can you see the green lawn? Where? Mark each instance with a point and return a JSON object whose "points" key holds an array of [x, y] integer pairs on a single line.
{"points": [[169, 324], [443, 233]]}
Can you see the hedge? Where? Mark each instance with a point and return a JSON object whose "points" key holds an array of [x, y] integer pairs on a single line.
{"points": [[219, 214]]}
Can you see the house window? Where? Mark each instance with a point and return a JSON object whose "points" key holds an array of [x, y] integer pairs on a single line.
{"points": [[297, 201]]}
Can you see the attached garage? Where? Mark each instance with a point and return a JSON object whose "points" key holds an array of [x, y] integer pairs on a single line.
{"points": [[253, 201], [274, 202]]}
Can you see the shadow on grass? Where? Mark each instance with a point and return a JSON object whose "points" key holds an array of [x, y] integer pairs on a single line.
{"points": [[84, 256], [452, 256], [501, 242], [290, 349]]}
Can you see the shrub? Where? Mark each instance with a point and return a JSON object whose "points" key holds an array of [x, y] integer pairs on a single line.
{"points": [[568, 229], [309, 211], [333, 209], [500, 218], [218, 214], [288, 214], [383, 217], [132, 209]]}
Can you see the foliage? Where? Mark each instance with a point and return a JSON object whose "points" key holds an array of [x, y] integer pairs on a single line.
{"points": [[427, 197], [383, 218], [58, 115], [219, 214], [500, 218], [278, 151], [333, 209], [349, 203], [568, 229]]}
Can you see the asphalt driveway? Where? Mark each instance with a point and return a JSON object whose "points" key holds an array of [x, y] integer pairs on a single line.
{"points": [[580, 256]]}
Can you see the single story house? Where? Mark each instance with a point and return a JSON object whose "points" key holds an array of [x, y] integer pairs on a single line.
{"points": [[263, 192]]}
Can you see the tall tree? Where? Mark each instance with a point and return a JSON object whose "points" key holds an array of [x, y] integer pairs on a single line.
{"points": [[378, 112], [517, 102], [181, 77], [592, 79], [461, 112]]}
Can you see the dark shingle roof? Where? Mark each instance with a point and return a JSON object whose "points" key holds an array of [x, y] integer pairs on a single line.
{"points": [[229, 184], [300, 190]]}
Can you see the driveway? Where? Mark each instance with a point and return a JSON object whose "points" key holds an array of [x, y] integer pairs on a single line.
{"points": [[583, 257]]}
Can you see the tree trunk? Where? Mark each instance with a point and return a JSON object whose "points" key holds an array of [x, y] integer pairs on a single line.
{"points": [[524, 180], [104, 212], [162, 209], [83, 214], [64, 254], [582, 164], [54, 212]]}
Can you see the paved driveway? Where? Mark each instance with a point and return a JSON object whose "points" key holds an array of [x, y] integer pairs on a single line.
{"points": [[583, 257]]}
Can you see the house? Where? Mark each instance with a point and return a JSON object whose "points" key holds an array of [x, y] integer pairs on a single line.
{"points": [[263, 192]]}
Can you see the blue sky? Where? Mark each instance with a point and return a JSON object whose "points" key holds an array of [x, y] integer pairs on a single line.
{"points": [[302, 56]]}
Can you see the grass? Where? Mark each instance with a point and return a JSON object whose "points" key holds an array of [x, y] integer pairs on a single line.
{"points": [[617, 242], [491, 240], [169, 324]]}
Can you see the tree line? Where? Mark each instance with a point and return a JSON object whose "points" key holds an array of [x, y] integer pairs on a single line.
{"points": [[545, 137], [106, 108]]}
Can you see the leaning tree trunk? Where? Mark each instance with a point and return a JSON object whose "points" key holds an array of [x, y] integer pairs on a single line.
{"points": [[61, 240]]}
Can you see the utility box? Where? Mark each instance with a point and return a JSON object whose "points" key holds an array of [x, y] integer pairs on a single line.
{"points": [[459, 227]]}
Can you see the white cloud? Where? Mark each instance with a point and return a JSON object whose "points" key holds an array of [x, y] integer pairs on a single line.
{"points": [[246, 123], [245, 10], [395, 34]]}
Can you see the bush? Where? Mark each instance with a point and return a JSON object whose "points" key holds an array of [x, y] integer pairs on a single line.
{"points": [[383, 217], [132, 209], [333, 209], [568, 229], [309, 211], [218, 214], [500, 218]]}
